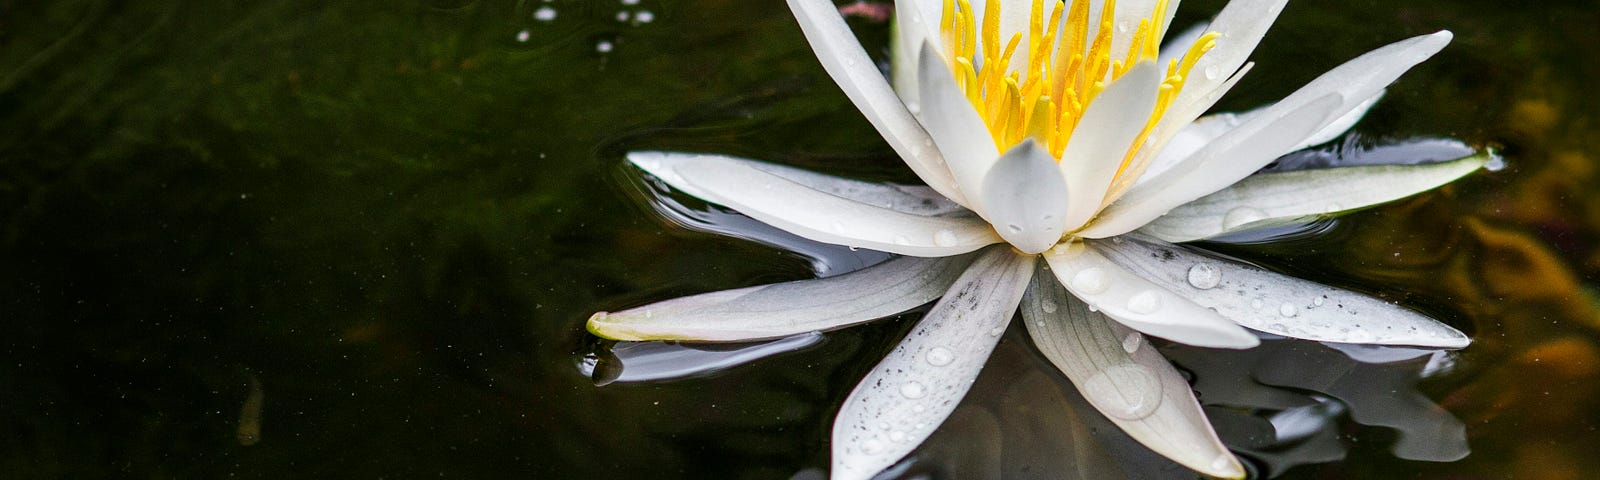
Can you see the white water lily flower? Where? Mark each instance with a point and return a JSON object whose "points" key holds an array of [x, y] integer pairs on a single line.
{"points": [[1064, 131]]}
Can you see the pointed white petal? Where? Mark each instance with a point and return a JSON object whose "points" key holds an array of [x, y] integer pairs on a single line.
{"points": [[1222, 162], [914, 24], [1101, 141], [844, 59], [1270, 199], [783, 309], [1242, 23], [913, 199], [1129, 13], [1362, 78], [915, 387], [1125, 379], [811, 213], [1138, 303], [956, 128], [1280, 304], [1026, 198], [1342, 124]]}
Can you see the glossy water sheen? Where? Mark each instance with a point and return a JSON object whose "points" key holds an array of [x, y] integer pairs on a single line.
{"points": [[296, 239]]}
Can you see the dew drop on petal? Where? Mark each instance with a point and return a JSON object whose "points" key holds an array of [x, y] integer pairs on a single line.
{"points": [[1212, 72], [1204, 276], [1358, 336], [912, 390], [1090, 281], [1145, 303], [1288, 310], [872, 447], [1256, 303], [1128, 391], [1132, 342], [1241, 216], [996, 331], [897, 436], [1317, 301], [1048, 306], [945, 238], [918, 408], [940, 356], [901, 240]]}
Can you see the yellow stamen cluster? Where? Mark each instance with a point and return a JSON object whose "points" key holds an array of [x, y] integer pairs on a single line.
{"points": [[1063, 71]]}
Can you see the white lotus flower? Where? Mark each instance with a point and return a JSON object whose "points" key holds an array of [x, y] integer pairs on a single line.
{"points": [[1068, 134]]}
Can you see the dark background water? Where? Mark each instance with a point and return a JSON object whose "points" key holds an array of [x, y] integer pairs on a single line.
{"points": [[360, 239]]}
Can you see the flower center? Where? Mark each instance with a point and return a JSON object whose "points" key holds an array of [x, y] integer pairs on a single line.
{"points": [[1062, 71]]}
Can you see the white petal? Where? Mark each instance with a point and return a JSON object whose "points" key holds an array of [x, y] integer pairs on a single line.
{"points": [[1138, 303], [915, 22], [1362, 78], [813, 214], [1270, 199], [913, 199], [1281, 304], [783, 309], [844, 59], [1222, 162], [1102, 138], [1026, 198], [1125, 379], [1343, 123], [915, 387], [1126, 25], [956, 128], [1242, 23]]}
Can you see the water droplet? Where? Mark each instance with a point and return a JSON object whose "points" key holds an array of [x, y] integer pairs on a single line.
{"points": [[1212, 72], [523, 35], [918, 408], [945, 238], [1317, 301], [644, 16], [1128, 391], [1288, 310], [1359, 336], [1094, 308], [604, 46], [996, 331], [897, 436], [1014, 228], [912, 390], [1144, 303], [1204, 276], [1132, 342], [622, 16], [940, 356], [1047, 306], [1090, 281], [1223, 462], [1122, 26], [850, 62], [1241, 216], [1256, 303], [872, 447], [544, 14], [901, 240]]}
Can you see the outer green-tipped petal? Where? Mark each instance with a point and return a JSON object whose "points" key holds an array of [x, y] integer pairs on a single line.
{"points": [[1026, 198], [1124, 379], [814, 213], [1280, 304], [844, 59], [955, 126], [1269, 199], [783, 309], [1102, 138], [1221, 163], [1137, 303], [915, 387]]}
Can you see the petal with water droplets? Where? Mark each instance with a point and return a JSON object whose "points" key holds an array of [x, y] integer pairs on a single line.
{"points": [[915, 387], [813, 207], [1271, 199], [1137, 303], [1280, 304], [783, 309], [1128, 382]]}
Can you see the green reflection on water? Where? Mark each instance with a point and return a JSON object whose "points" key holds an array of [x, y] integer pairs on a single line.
{"points": [[393, 219]]}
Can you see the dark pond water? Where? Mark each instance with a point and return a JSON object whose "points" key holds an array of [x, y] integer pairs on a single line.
{"points": [[283, 239]]}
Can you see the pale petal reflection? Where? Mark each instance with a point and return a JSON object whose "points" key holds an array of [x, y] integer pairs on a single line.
{"points": [[654, 361]]}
